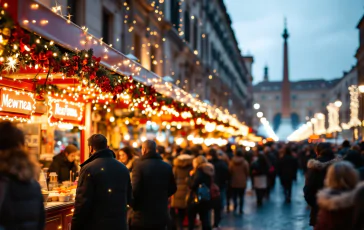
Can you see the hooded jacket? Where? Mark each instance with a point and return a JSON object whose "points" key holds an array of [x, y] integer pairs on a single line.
{"points": [[316, 173], [103, 193], [239, 172], [62, 167], [153, 183], [181, 169], [336, 209], [204, 174], [22, 206]]}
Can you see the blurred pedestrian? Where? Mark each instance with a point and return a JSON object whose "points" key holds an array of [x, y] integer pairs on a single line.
{"points": [[182, 165], [21, 201], [345, 146], [260, 170], [103, 191], [316, 172], [221, 179], [64, 164], [200, 178], [239, 174], [153, 183], [336, 200], [272, 159], [287, 171]]}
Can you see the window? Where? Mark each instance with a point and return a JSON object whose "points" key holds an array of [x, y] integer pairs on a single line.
{"points": [[73, 8], [294, 97], [195, 34], [309, 103], [107, 25], [323, 95], [264, 97], [323, 104], [137, 45], [187, 26], [175, 14], [277, 97], [310, 113]]}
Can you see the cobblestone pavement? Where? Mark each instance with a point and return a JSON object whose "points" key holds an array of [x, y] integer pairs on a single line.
{"points": [[274, 214]]}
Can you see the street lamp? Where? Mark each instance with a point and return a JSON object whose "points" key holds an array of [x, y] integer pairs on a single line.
{"points": [[338, 103], [259, 114], [361, 88], [256, 106]]}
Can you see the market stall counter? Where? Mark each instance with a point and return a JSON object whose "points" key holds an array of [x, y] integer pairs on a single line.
{"points": [[59, 215]]}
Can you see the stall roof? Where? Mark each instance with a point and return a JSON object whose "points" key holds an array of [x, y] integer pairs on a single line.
{"points": [[39, 19]]}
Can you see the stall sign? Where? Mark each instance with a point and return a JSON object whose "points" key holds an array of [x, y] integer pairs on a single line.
{"points": [[66, 111], [16, 102]]}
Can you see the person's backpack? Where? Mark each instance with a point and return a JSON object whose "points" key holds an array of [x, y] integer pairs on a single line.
{"points": [[214, 190], [203, 193]]}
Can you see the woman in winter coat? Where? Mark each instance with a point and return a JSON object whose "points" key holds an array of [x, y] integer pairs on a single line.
{"points": [[182, 165], [287, 171], [336, 200], [64, 163], [316, 172], [21, 201], [201, 174], [260, 170], [239, 173]]}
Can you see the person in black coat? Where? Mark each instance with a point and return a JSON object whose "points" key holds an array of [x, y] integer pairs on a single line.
{"points": [[64, 163], [104, 190], [21, 201], [287, 171], [316, 172], [222, 180], [153, 183]]}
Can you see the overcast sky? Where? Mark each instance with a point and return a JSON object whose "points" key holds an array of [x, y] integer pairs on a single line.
{"points": [[323, 35]]}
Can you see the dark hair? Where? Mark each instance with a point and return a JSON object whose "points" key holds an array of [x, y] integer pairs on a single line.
{"points": [[98, 142], [161, 149], [239, 152], [287, 151], [323, 146], [354, 157], [70, 149], [346, 144], [129, 151], [213, 153], [187, 151], [11, 137]]}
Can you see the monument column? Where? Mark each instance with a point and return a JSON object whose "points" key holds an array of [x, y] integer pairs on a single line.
{"points": [[285, 127], [286, 95]]}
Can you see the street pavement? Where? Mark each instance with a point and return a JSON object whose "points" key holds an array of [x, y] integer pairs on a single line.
{"points": [[274, 214]]}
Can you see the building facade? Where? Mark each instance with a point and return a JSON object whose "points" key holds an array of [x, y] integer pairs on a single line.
{"points": [[190, 42], [341, 92], [307, 97]]}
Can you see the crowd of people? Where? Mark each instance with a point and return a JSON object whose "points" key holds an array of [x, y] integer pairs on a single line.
{"points": [[151, 188]]}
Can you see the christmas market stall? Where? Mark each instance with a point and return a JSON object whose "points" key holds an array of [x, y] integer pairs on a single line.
{"points": [[62, 85]]}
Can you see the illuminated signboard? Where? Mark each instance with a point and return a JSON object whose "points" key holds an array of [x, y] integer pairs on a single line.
{"points": [[14, 101], [64, 110]]}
